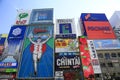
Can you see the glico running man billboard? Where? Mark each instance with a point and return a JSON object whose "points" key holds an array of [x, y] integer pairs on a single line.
{"points": [[99, 30], [37, 56]]}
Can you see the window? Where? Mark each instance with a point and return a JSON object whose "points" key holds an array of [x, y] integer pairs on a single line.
{"points": [[102, 65], [97, 75], [100, 55], [113, 55], [110, 64], [116, 64], [107, 55], [119, 54]]}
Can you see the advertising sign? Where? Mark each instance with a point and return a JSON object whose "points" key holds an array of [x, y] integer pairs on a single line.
{"points": [[23, 17], [2, 41], [68, 66], [65, 26], [67, 61], [66, 36], [42, 16], [17, 32], [94, 57], [107, 44], [93, 17], [10, 57], [66, 45], [86, 60], [37, 57], [99, 30]]}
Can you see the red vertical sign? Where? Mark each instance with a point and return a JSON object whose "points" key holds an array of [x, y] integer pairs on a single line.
{"points": [[85, 58]]}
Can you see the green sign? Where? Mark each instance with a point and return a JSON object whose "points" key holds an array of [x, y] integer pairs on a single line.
{"points": [[23, 15], [11, 70]]}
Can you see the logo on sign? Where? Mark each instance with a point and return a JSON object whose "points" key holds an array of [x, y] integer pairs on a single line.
{"points": [[16, 31], [88, 17], [23, 15]]}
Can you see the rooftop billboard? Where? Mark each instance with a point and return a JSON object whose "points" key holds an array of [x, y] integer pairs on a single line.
{"points": [[107, 44], [99, 30], [93, 17], [42, 16], [23, 17], [65, 26]]}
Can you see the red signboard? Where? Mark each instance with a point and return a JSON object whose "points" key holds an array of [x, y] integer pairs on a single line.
{"points": [[99, 30], [86, 60]]}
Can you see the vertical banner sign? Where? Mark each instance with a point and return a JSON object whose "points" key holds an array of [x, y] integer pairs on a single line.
{"points": [[23, 17], [94, 57], [86, 61], [68, 66], [10, 57], [65, 26], [37, 56]]}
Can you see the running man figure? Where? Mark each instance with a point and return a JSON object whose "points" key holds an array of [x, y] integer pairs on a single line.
{"points": [[37, 52]]}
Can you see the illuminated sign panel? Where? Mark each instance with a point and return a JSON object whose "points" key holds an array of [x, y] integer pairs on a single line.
{"points": [[23, 17], [99, 30], [42, 16], [66, 45], [94, 57], [93, 17], [67, 61], [68, 66], [65, 26], [107, 44], [86, 60]]}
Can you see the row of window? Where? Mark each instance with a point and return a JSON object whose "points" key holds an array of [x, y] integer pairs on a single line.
{"points": [[110, 64], [108, 55]]}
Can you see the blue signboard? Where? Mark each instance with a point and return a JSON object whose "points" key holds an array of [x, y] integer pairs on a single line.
{"points": [[2, 40], [93, 17], [65, 28], [17, 32], [107, 44], [41, 15]]}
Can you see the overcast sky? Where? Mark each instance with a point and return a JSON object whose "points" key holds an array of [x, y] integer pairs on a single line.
{"points": [[62, 9]]}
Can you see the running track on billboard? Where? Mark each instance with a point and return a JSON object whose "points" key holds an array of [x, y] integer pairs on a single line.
{"points": [[45, 65]]}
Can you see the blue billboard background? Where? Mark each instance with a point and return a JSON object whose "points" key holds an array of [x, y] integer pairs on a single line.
{"points": [[93, 17], [65, 28], [2, 40], [107, 44], [41, 15], [17, 32]]}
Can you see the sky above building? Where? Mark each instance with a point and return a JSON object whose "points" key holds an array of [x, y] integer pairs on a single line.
{"points": [[62, 9]]}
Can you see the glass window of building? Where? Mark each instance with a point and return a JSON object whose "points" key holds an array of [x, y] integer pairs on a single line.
{"points": [[100, 55], [107, 56], [119, 54], [110, 64], [116, 64], [102, 64], [113, 55]]}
